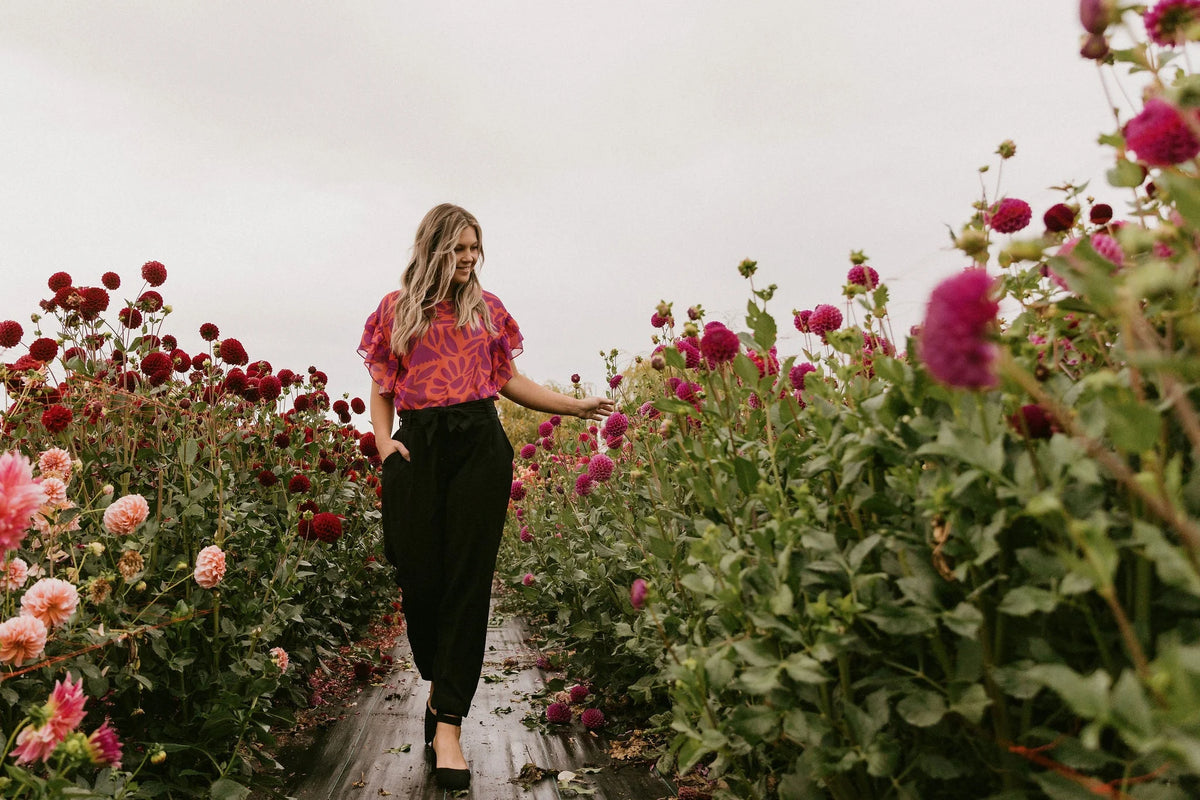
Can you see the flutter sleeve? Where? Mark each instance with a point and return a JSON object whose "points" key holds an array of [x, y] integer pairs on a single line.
{"points": [[506, 344], [376, 346]]}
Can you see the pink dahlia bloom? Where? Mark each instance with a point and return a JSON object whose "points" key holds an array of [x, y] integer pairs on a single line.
{"points": [[862, 275], [1167, 22], [280, 657], [825, 318], [22, 639], [103, 746], [52, 600], [1009, 215], [800, 320], [20, 498], [13, 574], [526, 536], [517, 491], [35, 744], [125, 514], [528, 579], [55, 491], [545, 428], [1107, 246], [954, 342], [637, 593], [210, 567], [62, 712], [1160, 136], [600, 467], [797, 373], [615, 425], [691, 356], [55, 463], [529, 450], [584, 484]]}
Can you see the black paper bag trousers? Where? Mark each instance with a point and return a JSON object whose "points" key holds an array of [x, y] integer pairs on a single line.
{"points": [[443, 515]]}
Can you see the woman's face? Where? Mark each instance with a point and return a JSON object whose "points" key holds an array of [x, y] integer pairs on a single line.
{"points": [[466, 255]]}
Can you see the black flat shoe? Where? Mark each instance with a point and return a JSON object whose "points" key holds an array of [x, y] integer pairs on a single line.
{"points": [[450, 779], [430, 724]]}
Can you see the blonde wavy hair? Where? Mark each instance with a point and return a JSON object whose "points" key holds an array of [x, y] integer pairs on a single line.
{"points": [[429, 279]]}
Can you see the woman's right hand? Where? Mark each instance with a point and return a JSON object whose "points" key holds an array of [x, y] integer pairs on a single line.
{"points": [[388, 446]]}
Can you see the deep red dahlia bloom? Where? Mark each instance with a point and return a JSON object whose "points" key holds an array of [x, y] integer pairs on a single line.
{"points": [[154, 273], [150, 300], [157, 362], [232, 352], [209, 332], [341, 407], [357, 405], [1033, 421], [43, 349], [10, 333], [235, 381], [299, 484], [130, 317], [1101, 213], [516, 492], [327, 527], [59, 280], [270, 387], [1059, 217], [180, 360], [200, 361], [954, 343], [56, 418]]}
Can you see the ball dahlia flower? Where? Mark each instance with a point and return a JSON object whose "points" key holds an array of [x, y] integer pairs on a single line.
{"points": [[299, 484], [528, 579], [209, 332], [13, 574], [154, 273], [59, 280], [22, 639], [52, 600], [600, 467], [615, 424], [210, 567], [719, 344], [584, 484], [824, 318], [800, 320], [56, 418], [862, 275], [1059, 217], [592, 718], [517, 491], [231, 351], [797, 373], [637, 593], [558, 713], [125, 514], [43, 349], [528, 450], [111, 281], [955, 340], [10, 333]]}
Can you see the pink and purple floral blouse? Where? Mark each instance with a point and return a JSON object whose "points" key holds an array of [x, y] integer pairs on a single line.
{"points": [[448, 364]]}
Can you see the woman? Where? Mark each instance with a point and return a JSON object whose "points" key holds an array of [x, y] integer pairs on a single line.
{"points": [[439, 350]]}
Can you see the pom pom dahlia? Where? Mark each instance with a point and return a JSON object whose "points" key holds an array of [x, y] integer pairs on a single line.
{"points": [[154, 273], [558, 713], [209, 332], [529, 450], [517, 491], [954, 342], [637, 593], [592, 718], [615, 424], [862, 275], [600, 467], [579, 692], [232, 352], [797, 373], [20, 498], [528, 579], [22, 639], [1159, 135], [130, 317], [825, 318], [299, 484], [56, 418], [52, 600], [10, 333], [584, 484], [327, 527], [59, 280], [43, 349], [210, 567], [1009, 215], [719, 344], [111, 281], [1059, 217], [1100, 214], [125, 514]]}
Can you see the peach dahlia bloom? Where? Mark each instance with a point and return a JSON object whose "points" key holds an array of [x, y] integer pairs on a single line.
{"points": [[22, 639], [126, 514], [55, 463], [13, 574], [52, 600], [210, 566], [55, 490], [280, 657]]}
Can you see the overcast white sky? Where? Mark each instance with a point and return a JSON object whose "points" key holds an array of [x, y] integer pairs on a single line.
{"points": [[277, 156]]}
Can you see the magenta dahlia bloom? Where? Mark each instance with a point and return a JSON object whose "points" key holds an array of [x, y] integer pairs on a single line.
{"points": [[1167, 21], [800, 320], [954, 343], [825, 318], [10, 333], [154, 273], [1160, 136], [615, 425], [1059, 217], [1009, 215], [584, 484], [529, 579], [592, 718], [862, 275], [529, 450], [1107, 246], [637, 593], [517, 491], [526, 536], [600, 467], [797, 373], [270, 387], [103, 747], [719, 344], [691, 356], [558, 713], [579, 692]]}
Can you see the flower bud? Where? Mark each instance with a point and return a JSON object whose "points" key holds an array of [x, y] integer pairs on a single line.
{"points": [[658, 362], [1095, 47], [159, 757], [96, 548], [108, 488], [140, 586], [973, 242], [1096, 15], [1007, 149], [690, 329], [747, 268]]}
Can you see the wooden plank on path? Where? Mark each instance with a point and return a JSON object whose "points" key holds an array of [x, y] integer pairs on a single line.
{"points": [[378, 750]]}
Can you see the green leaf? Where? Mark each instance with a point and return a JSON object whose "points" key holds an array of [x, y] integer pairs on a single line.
{"points": [[805, 669], [972, 703], [1126, 174], [760, 680], [1185, 192], [1025, 600], [225, 789], [1133, 427], [1170, 563], [964, 619], [922, 708], [1087, 696]]}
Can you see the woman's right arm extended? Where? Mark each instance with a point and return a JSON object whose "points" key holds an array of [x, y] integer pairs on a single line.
{"points": [[382, 415]]}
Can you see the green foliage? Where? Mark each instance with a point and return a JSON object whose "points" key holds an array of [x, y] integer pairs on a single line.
{"points": [[186, 674]]}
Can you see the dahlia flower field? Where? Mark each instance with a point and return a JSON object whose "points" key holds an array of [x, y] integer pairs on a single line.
{"points": [[961, 561], [185, 534]]}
